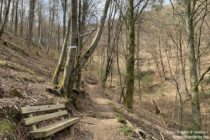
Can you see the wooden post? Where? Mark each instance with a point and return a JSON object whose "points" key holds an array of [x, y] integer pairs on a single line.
{"points": [[33, 126], [72, 130]]}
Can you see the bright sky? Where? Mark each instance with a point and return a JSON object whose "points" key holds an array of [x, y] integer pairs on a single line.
{"points": [[167, 1]]}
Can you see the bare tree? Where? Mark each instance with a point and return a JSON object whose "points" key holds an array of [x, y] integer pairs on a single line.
{"points": [[31, 21], [5, 18], [16, 16]]}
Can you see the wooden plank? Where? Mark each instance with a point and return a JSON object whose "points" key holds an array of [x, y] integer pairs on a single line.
{"points": [[31, 109], [53, 128], [40, 118]]}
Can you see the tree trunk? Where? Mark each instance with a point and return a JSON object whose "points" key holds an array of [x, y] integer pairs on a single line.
{"points": [[16, 16], [70, 61], [138, 60], [64, 5], [1, 9], [31, 20], [22, 19], [130, 58], [161, 59], [196, 114], [40, 23], [5, 18], [83, 9], [51, 23], [12, 16], [62, 56]]}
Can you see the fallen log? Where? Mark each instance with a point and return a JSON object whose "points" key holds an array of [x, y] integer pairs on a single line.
{"points": [[141, 134]]}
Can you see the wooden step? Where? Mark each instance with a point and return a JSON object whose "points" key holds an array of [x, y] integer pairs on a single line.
{"points": [[53, 128]]}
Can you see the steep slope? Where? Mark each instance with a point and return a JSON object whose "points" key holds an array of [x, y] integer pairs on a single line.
{"points": [[24, 76]]}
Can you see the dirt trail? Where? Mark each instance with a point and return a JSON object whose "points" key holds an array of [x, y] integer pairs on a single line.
{"points": [[104, 124]]}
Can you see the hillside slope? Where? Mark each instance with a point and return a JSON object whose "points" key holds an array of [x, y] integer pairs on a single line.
{"points": [[24, 76]]}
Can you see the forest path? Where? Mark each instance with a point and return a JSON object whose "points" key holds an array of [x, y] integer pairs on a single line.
{"points": [[103, 104], [103, 125]]}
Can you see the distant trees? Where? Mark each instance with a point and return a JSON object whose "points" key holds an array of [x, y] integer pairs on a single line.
{"points": [[6, 14], [194, 16]]}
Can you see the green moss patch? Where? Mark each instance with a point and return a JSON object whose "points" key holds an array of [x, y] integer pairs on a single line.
{"points": [[126, 131], [7, 129], [25, 77]]}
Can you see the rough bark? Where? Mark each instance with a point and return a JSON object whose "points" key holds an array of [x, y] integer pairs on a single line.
{"points": [[130, 58], [71, 55], [83, 9]]}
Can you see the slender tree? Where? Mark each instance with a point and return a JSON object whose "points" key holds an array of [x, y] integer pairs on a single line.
{"points": [[64, 5], [189, 18], [131, 56], [22, 18], [5, 18], [31, 21], [63, 52], [16, 16], [70, 61]]}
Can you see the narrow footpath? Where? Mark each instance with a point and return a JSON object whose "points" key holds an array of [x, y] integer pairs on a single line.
{"points": [[103, 125]]}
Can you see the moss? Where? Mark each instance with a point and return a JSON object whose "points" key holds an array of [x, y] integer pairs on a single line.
{"points": [[40, 79], [3, 63], [126, 131], [25, 77], [7, 129]]}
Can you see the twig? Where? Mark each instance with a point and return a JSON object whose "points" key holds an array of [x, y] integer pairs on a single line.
{"points": [[162, 136]]}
